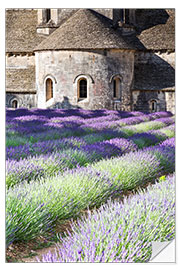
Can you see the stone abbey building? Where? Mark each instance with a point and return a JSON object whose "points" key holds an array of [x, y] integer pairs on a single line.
{"points": [[121, 59]]}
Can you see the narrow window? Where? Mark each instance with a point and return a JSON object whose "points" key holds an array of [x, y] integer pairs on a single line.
{"points": [[116, 88], [14, 104], [82, 88], [121, 15], [153, 105], [127, 16], [48, 14], [49, 89], [124, 16]]}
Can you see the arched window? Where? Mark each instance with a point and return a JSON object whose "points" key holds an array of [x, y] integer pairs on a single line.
{"points": [[14, 104], [49, 89], [116, 88], [82, 88], [153, 106]]}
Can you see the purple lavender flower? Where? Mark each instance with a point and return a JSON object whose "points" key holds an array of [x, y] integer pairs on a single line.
{"points": [[166, 120], [109, 148], [145, 139], [121, 232], [165, 152], [44, 147]]}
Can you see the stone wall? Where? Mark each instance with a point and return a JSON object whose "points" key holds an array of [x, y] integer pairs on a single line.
{"points": [[154, 80], [142, 100], [108, 12], [59, 15], [65, 68], [155, 57], [24, 100], [20, 73], [170, 101]]}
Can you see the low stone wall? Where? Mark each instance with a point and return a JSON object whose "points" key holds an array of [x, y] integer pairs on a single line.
{"points": [[142, 100], [20, 73], [24, 100]]}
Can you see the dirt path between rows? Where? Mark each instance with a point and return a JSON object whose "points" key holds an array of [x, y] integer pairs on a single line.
{"points": [[28, 252]]}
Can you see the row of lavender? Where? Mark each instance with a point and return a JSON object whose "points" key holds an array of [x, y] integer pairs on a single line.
{"points": [[33, 209], [67, 183], [121, 232], [47, 158], [35, 128], [33, 161], [158, 133], [27, 163]]}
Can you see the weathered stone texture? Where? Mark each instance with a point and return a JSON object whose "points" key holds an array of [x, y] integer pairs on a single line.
{"points": [[20, 73], [21, 35], [24, 100], [87, 29], [20, 80], [165, 100], [20, 61], [170, 101], [154, 72], [95, 65], [87, 43], [142, 100], [157, 28], [107, 12]]}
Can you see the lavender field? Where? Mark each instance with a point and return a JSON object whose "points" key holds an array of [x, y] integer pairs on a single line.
{"points": [[61, 164]]}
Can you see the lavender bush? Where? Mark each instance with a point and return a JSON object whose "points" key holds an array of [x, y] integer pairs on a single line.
{"points": [[95, 125], [165, 152], [37, 124], [110, 148], [145, 139], [102, 136], [52, 145], [169, 131], [28, 205], [51, 163], [48, 165], [146, 126], [44, 147], [121, 232], [166, 120], [67, 194], [131, 170]]}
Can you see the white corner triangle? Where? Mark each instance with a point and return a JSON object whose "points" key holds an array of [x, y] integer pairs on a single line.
{"points": [[163, 252]]}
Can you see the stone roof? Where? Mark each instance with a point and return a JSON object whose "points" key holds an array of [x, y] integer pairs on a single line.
{"points": [[87, 29], [154, 76], [20, 80], [161, 36], [21, 33]]}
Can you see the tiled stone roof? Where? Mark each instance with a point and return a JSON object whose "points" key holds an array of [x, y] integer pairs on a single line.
{"points": [[153, 76], [20, 80], [21, 33], [87, 29], [160, 36]]}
